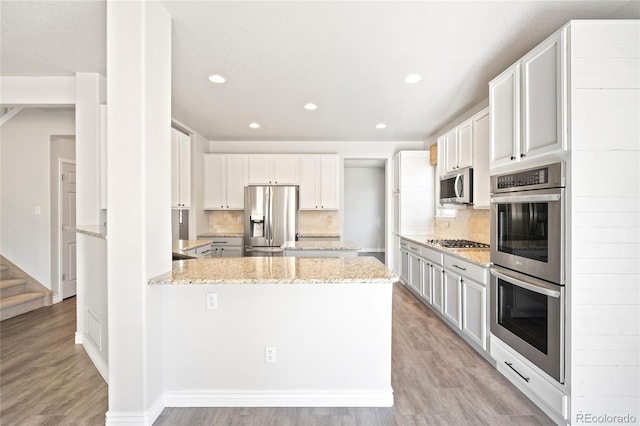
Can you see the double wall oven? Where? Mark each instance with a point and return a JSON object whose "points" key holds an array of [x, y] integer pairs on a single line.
{"points": [[528, 257]]}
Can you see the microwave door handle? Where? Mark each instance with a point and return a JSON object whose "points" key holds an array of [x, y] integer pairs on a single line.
{"points": [[541, 288], [526, 199], [456, 186]]}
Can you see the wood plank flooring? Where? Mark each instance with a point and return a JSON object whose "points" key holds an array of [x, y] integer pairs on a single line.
{"points": [[437, 379], [45, 378]]}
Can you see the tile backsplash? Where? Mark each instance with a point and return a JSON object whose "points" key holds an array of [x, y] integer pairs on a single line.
{"points": [[309, 221], [231, 221], [469, 224]]}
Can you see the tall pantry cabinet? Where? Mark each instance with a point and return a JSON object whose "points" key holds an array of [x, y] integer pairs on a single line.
{"points": [[413, 201]]}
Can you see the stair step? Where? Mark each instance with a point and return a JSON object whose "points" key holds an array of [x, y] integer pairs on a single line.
{"points": [[20, 303], [12, 286]]}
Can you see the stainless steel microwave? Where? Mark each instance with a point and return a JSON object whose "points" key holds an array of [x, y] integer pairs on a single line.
{"points": [[457, 187]]}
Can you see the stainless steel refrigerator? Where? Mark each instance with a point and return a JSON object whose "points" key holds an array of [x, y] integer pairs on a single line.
{"points": [[270, 218]]}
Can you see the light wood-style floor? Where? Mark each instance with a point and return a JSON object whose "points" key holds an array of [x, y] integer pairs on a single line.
{"points": [[437, 379]]}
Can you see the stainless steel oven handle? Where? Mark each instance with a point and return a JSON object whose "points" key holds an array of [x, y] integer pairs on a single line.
{"points": [[536, 288], [526, 199]]}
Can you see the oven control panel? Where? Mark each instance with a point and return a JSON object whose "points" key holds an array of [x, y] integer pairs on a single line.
{"points": [[528, 178]]}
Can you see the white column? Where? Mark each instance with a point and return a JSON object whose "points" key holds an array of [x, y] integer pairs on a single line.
{"points": [[139, 173]]}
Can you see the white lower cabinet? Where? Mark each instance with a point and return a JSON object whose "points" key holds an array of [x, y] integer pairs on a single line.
{"points": [[415, 272], [474, 312], [226, 246], [426, 281], [404, 261], [436, 286], [452, 292]]}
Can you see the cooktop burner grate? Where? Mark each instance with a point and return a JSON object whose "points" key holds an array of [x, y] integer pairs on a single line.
{"points": [[457, 244]]}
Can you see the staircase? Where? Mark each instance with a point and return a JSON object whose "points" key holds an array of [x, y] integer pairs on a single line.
{"points": [[19, 293]]}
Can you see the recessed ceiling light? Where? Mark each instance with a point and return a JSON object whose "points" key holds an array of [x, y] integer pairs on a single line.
{"points": [[412, 78], [310, 107], [381, 126], [254, 125], [216, 78]]}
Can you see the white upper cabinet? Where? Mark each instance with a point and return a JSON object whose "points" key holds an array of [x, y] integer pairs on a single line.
{"points": [[180, 169], [527, 103], [458, 147], [481, 186], [319, 182], [225, 177], [543, 85], [504, 102], [266, 169]]}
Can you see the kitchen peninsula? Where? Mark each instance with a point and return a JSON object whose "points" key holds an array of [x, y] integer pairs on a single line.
{"points": [[277, 331]]}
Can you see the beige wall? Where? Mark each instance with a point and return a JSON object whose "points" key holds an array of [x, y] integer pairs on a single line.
{"points": [[469, 224]]}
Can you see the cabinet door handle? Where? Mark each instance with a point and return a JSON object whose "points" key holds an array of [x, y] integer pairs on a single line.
{"points": [[513, 158], [510, 365], [459, 267]]}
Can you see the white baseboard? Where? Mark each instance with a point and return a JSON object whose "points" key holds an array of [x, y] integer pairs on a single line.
{"points": [[56, 299], [234, 398], [136, 418], [79, 338], [98, 361]]}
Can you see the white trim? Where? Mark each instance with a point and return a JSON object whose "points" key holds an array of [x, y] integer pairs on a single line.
{"points": [[9, 115], [253, 398], [136, 418], [96, 358], [79, 340]]}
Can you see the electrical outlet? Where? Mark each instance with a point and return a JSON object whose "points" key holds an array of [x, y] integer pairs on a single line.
{"points": [[212, 301], [270, 354]]}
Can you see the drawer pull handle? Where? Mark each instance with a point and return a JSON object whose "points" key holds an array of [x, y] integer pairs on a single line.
{"points": [[414, 248], [510, 365], [459, 267]]}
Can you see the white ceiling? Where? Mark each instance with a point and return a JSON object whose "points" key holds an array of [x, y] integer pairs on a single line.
{"points": [[350, 58]]}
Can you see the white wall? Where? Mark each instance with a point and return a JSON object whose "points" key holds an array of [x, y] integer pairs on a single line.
{"points": [[364, 201], [604, 205], [25, 144], [139, 214], [62, 148]]}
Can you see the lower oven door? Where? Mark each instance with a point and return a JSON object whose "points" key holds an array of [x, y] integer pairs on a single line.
{"points": [[528, 315]]}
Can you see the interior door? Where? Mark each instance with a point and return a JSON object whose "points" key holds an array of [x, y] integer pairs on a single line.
{"points": [[68, 251]]}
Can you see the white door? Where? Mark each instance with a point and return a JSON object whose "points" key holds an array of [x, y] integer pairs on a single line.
{"points": [[68, 237]]}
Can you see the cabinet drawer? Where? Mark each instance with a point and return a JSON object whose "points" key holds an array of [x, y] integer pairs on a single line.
{"points": [[404, 244], [414, 248], [226, 241], [527, 379], [467, 269], [433, 255]]}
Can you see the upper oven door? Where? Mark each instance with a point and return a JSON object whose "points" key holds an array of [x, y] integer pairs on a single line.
{"points": [[527, 233]]}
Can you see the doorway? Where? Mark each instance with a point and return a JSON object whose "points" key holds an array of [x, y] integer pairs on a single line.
{"points": [[62, 150], [364, 205], [68, 246]]}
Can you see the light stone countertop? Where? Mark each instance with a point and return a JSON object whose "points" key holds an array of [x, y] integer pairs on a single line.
{"points": [[320, 245], [277, 270], [98, 231], [318, 235], [183, 245], [478, 256], [221, 235]]}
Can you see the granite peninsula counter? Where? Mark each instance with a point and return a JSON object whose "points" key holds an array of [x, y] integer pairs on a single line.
{"points": [[327, 319]]}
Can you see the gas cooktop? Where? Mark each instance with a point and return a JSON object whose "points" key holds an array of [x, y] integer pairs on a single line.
{"points": [[458, 244]]}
